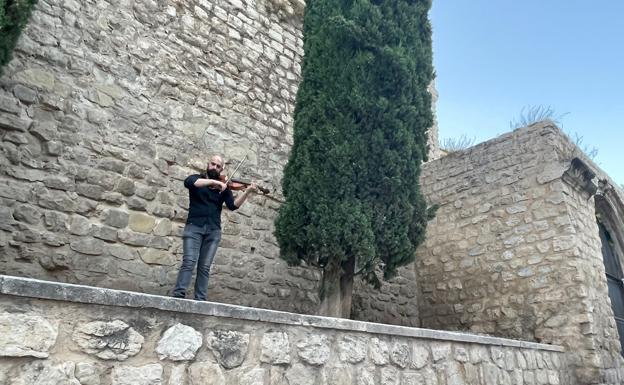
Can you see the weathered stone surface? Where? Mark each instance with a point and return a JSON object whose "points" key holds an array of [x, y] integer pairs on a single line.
{"points": [[25, 94], [229, 347], [54, 262], [163, 228], [365, 377], [10, 122], [158, 257], [252, 377], [88, 246], [314, 349], [79, 225], [378, 352], [150, 374], [352, 349], [179, 343], [133, 239], [6, 219], [337, 376], [24, 335], [178, 375], [206, 373], [28, 214], [114, 340], [454, 374], [263, 361], [87, 373], [46, 372], [142, 223], [420, 356], [411, 378], [389, 376], [478, 354], [275, 348], [299, 374], [116, 218], [440, 351], [125, 186], [400, 355]]}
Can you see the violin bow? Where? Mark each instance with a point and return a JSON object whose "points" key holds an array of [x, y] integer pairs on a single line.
{"points": [[236, 169]]}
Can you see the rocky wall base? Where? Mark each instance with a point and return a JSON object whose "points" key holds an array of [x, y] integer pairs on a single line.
{"points": [[55, 333]]}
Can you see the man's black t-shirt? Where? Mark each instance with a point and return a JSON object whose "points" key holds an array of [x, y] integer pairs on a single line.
{"points": [[205, 204]]}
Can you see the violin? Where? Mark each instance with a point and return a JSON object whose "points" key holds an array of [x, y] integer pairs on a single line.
{"points": [[241, 184], [236, 184]]}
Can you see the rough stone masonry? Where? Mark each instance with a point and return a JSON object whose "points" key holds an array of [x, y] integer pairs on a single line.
{"points": [[67, 334], [109, 105]]}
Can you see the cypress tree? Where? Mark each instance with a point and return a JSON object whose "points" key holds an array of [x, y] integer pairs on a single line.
{"points": [[353, 204], [14, 15]]}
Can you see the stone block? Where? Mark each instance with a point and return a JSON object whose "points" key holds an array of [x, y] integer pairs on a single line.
{"points": [[206, 373], [163, 227], [88, 246], [157, 257], [10, 122], [179, 343], [352, 349], [25, 94], [275, 348], [113, 340], [125, 186], [229, 347], [378, 351], [46, 372], [116, 218], [133, 239], [26, 335], [300, 374], [150, 374], [314, 349], [400, 354]]}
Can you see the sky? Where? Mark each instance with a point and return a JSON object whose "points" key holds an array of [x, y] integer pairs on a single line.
{"points": [[495, 58]]}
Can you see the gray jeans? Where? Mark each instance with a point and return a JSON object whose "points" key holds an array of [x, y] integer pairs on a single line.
{"points": [[199, 244]]}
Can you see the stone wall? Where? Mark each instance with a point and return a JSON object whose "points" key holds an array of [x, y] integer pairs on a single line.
{"points": [[109, 105], [59, 333], [514, 249]]}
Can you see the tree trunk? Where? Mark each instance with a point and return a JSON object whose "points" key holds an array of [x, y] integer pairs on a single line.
{"points": [[336, 289]]}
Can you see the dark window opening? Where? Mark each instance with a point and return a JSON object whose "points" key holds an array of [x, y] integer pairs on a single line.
{"points": [[615, 281]]}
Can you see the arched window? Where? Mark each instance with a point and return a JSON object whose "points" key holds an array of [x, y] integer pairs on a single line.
{"points": [[609, 210]]}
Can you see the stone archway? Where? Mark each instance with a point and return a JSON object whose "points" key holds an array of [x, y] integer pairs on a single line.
{"points": [[610, 218]]}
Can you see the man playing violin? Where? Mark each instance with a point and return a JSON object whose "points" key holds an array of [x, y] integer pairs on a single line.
{"points": [[202, 233]]}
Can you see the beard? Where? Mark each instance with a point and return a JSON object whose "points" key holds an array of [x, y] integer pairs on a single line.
{"points": [[212, 174]]}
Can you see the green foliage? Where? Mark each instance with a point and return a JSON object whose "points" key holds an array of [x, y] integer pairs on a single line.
{"points": [[14, 15], [361, 117]]}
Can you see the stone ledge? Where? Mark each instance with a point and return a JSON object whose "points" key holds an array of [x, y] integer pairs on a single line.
{"points": [[34, 288]]}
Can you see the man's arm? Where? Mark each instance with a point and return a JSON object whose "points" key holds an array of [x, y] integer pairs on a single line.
{"points": [[241, 198], [200, 182], [197, 181]]}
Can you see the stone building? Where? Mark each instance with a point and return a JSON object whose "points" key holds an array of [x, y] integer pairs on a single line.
{"points": [[108, 105]]}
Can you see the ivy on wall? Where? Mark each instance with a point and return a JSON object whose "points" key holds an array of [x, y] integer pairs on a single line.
{"points": [[14, 15]]}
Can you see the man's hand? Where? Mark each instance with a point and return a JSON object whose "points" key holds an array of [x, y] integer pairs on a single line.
{"points": [[252, 188]]}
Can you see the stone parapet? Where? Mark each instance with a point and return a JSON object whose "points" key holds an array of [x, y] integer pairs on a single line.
{"points": [[86, 335]]}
